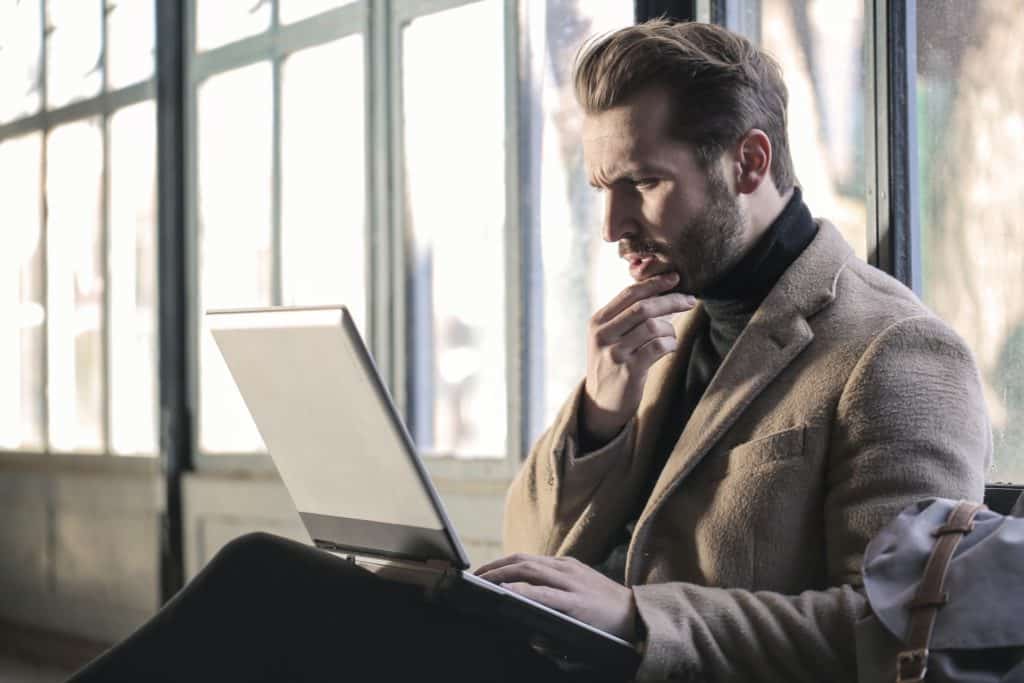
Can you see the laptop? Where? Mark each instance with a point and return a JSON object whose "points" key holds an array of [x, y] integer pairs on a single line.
{"points": [[360, 487]]}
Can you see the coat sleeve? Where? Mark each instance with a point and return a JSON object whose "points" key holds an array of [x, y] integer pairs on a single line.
{"points": [[557, 482], [910, 423]]}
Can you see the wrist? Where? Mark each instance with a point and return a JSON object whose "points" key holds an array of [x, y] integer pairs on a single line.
{"points": [[593, 431]]}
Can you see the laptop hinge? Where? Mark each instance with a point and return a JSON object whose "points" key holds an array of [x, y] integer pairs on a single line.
{"points": [[433, 574]]}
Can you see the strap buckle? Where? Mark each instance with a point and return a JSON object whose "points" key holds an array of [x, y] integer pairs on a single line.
{"points": [[911, 666]]}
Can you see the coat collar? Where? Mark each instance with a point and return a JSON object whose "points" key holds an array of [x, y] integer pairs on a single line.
{"points": [[776, 334]]}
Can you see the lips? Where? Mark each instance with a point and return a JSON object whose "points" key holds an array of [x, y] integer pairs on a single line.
{"points": [[644, 266]]}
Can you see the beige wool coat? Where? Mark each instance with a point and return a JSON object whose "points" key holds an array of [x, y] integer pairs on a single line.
{"points": [[842, 401]]}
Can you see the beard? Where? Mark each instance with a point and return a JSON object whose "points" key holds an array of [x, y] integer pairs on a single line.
{"points": [[704, 249]]}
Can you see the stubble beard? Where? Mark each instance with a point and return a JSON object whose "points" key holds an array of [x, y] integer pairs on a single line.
{"points": [[711, 244]]}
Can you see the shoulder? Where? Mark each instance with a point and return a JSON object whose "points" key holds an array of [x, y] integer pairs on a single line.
{"points": [[876, 309]]}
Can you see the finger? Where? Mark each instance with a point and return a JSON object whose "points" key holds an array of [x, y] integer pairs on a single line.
{"points": [[645, 356], [554, 598], [502, 561], [532, 572], [636, 292], [646, 331], [641, 311]]}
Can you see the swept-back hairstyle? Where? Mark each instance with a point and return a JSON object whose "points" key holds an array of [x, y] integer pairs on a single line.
{"points": [[720, 85]]}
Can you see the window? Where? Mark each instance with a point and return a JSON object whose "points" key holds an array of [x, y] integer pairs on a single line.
{"points": [[970, 101], [22, 344], [820, 45], [77, 136], [279, 191], [580, 273], [453, 114]]}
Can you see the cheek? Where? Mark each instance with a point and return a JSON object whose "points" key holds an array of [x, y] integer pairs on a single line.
{"points": [[669, 214]]}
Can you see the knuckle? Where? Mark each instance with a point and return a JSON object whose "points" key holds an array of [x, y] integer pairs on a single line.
{"points": [[617, 354], [652, 325]]}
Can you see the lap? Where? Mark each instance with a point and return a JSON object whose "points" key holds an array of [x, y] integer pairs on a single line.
{"points": [[267, 608]]}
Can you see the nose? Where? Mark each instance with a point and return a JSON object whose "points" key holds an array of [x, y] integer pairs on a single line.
{"points": [[618, 220]]}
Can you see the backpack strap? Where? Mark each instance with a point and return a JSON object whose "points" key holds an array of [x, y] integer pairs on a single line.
{"points": [[912, 663]]}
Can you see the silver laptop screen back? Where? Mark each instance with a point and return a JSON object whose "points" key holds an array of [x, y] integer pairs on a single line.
{"points": [[318, 407]]}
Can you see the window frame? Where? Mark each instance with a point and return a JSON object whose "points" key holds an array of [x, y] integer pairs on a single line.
{"points": [[516, 309], [100, 107], [273, 45]]}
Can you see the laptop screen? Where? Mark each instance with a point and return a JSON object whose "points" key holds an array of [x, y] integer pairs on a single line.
{"points": [[333, 433]]}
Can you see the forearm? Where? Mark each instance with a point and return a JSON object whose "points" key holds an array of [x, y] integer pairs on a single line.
{"points": [[558, 482], [696, 633]]}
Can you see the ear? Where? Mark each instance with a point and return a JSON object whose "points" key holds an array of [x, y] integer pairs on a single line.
{"points": [[753, 161]]}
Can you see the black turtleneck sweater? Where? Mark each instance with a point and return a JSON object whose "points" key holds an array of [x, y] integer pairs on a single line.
{"points": [[730, 304]]}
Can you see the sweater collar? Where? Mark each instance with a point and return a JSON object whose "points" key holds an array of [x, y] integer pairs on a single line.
{"points": [[761, 267]]}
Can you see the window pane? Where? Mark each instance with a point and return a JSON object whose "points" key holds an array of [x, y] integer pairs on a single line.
{"points": [[970, 98], [581, 272], [73, 60], [130, 27], [20, 46], [21, 296], [75, 282], [820, 45], [455, 155], [219, 22], [294, 10], [132, 256], [323, 167], [235, 260]]}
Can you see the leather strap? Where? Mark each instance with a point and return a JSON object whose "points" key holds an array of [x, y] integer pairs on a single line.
{"points": [[912, 663]]}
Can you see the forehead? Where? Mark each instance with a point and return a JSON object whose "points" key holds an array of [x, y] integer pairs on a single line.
{"points": [[633, 134]]}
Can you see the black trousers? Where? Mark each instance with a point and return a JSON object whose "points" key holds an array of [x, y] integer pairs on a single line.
{"points": [[269, 609]]}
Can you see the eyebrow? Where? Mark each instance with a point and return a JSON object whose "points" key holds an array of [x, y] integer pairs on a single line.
{"points": [[631, 175]]}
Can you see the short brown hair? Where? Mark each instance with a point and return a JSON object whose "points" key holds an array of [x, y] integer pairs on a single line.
{"points": [[720, 84]]}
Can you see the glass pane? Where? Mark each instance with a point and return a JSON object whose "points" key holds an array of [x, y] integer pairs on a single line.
{"points": [[73, 62], [235, 259], [581, 272], [132, 268], [219, 22], [455, 154], [21, 296], [970, 99], [820, 45], [75, 282], [294, 10], [130, 27], [20, 46], [323, 197]]}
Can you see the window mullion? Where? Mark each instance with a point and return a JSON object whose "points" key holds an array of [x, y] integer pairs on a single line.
{"points": [[176, 292], [105, 243], [277, 275], [44, 228], [380, 165], [518, 229]]}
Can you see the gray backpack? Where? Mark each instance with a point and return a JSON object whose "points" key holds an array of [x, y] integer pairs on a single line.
{"points": [[945, 581]]}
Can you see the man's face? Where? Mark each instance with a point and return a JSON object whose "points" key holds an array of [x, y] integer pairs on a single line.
{"points": [[666, 212]]}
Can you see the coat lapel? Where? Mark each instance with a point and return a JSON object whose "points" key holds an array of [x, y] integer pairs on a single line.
{"points": [[776, 334]]}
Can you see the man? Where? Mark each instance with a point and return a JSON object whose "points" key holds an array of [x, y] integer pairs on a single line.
{"points": [[724, 476], [708, 490]]}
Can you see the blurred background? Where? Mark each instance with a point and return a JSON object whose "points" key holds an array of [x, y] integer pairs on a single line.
{"points": [[419, 161]]}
